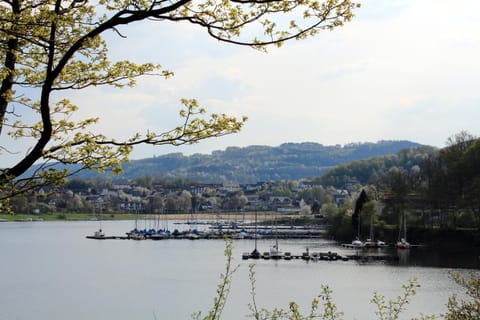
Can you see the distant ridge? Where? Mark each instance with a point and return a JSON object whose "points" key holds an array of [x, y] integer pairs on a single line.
{"points": [[289, 161]]}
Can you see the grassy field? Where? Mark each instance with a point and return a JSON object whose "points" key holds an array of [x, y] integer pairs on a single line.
{"points": [[264, 216], [66, 216]]}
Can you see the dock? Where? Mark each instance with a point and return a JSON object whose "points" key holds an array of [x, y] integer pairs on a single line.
{"points": [[320, 256], [108, 237], [214, 234]]}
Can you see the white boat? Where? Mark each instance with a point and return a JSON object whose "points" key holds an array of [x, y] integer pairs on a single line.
{"points": [[403, 244], [357, 243], [380, 243], [370, 243], [99, 233], [275, 252]]}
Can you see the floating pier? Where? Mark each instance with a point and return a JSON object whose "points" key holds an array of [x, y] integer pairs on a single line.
{"points": [[215, 234], [319, 256], [314, 256], [108, 237]]}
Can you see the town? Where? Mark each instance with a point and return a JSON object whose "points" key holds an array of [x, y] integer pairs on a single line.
{"points": [[145, 196]]}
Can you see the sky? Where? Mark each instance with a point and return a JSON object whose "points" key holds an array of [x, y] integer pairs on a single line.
{"points": [[400, 70]]}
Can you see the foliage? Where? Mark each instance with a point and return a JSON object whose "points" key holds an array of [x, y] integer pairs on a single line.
{"points": [[370, 170], [51, 47], [223, 288], [392, 309], [252, 164], [328, 307], [465, 309], [434, 188]]}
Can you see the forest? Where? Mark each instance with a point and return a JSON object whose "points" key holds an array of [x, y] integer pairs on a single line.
{"points": [[437, 189]]}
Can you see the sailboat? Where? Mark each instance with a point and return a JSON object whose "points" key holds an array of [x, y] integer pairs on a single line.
{"points": [[362, 198], [402, 243], [98, 234], [275, 252], [136, 234], [370, 242], [255, 254]]}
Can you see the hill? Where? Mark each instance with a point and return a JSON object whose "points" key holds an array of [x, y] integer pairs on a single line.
{"points": [[289, 161], [366, 170]]}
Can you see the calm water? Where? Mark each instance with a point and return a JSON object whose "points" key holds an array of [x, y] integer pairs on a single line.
{"points": [[50, 271]]}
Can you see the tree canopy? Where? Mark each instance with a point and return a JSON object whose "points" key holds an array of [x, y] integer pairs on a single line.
{"points": [[49, 47]]}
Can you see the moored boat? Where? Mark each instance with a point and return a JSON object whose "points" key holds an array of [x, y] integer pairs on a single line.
{"points": [[99, 235], [275, 252], [358, 243], [403, 244]]}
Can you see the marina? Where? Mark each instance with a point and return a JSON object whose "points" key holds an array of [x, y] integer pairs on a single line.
{"points": [[213, 230], [216, 232], [196, 235]]}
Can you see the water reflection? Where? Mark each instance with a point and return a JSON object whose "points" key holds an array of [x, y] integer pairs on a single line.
{"points": [[440, 258], [50, 271]]}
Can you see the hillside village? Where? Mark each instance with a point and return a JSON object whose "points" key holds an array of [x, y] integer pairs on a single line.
{"points": [[83, 196]]}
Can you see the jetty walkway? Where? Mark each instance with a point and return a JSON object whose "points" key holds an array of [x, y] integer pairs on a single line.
{"points": [[319, 256]]}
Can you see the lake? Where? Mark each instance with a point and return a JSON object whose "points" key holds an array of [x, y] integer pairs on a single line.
{"points": [[50, 271]]}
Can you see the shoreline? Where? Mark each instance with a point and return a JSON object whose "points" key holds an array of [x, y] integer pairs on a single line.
{"points": [[268, 215]]}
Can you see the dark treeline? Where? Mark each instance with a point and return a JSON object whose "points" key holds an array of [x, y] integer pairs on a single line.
{"points": [[436, 191], [445, 186]]}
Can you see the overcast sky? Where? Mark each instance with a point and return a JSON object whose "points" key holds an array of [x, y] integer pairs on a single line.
{"points": [[401, 70]]}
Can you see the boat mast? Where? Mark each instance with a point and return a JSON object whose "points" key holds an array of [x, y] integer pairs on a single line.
{"points": [[255, 236], [276, 230], [371, 225]]}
